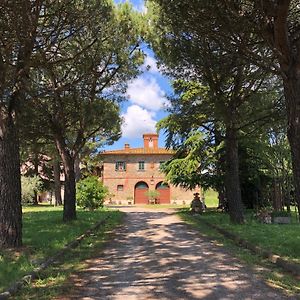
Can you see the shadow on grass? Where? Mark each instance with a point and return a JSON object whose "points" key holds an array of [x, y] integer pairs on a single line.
{"points": [[44, 233]]}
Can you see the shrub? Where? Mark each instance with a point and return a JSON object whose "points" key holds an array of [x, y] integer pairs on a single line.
{"points": [[91, 193], [152, 195], [30, 185]]}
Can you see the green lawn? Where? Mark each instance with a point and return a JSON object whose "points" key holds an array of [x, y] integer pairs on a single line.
{"points": [[283, 240], [44, 233], [280, 239], [211, 198]]}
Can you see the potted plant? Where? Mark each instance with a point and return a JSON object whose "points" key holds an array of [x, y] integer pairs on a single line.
{"points": [[130, 200], [152, 195]]}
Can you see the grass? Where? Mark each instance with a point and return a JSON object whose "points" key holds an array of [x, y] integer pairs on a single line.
{"points": [[280, 239], [44, 234], [211, 198], [283, 240]]}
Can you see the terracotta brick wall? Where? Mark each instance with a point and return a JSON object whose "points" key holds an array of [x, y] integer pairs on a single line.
{"points": [[151, 175]]}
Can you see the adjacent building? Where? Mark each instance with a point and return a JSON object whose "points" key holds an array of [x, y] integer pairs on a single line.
{"points": [[130, 173]]}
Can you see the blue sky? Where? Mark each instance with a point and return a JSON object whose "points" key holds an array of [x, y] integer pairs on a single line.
{"points": [[146, 97]]}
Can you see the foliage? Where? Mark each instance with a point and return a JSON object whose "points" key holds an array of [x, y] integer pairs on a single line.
{"points": [[211, 198], [152, 195], [193, 164], [77, 86], [238, 94], [224, 96], [91, 193], [263, 34], [30, 186]]}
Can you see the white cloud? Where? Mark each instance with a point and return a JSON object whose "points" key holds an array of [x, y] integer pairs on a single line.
{"points": [[141, 7], [150, 63], [137, 121], [146, 93]]}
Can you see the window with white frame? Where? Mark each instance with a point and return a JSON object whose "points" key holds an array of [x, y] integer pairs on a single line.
{"points": [[120, 166], [141, 166], [120, 187]]}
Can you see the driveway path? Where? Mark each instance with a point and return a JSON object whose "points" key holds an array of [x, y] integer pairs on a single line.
{"points": [[156, 256]]}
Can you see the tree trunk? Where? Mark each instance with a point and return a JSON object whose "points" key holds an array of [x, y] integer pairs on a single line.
{"points": [[220, 171], [232, 179], [69, 213], [36, 173], [77, 169], [292, 97], [57, 184], [10, 184], [68, 161], [277, 203], [221, 198]]}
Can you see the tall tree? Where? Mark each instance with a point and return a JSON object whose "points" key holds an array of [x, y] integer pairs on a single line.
{"points": [[232, 81], [18, 27], [277, 25], [269, 25], [81, 79]]}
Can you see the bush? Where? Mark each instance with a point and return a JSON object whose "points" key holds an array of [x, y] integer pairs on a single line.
{"points": [[30, 185], [91, 193], [152, 195]]}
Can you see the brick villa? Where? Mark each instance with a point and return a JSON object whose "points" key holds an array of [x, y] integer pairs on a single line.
{"points": [[130, 172]]}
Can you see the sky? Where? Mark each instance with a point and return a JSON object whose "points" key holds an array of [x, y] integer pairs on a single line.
{"points": [[146, 98]]}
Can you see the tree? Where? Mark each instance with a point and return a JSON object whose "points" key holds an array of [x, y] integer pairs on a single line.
{"points": [[39, 156], [277, 25], [267, 34], [76, 90], [18, 29], [30, 187], [232, 81], [36, 36], [91, 193], [152, 195]]}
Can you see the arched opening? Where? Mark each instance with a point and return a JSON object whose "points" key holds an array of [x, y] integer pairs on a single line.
{"points": [[164, 192], [140, 190]]}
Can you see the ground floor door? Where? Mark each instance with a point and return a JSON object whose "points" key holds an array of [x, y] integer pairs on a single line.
{"points": [[164, 193], [140, 193]]}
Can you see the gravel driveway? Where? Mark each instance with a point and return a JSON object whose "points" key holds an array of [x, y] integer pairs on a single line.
{"points": [[156, 256]]}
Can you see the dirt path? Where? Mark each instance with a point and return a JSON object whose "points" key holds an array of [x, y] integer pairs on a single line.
{"points": [[156, 256]]}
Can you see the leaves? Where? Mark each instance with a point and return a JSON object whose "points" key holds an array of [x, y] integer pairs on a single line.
{"points": [[91, 193]]}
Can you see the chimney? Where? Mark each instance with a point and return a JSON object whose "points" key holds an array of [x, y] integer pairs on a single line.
{"points": [[127, 146], [150, 141]]}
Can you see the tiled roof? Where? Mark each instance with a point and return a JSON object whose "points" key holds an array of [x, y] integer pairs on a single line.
{"points": [[139, 151]]}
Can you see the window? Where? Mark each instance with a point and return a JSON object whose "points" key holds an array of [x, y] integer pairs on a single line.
{"points": [[120, 187], [141, 165], [120, 166]]}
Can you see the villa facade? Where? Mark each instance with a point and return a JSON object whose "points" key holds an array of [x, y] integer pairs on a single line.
{"points": [[130, 173]]}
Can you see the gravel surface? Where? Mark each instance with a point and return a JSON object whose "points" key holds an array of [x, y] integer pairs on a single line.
{"points": [[156, 256]]}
